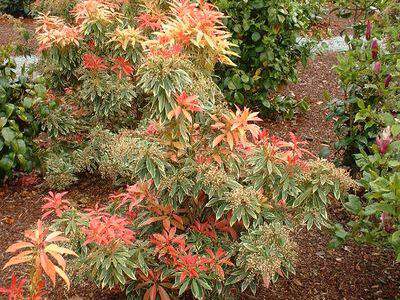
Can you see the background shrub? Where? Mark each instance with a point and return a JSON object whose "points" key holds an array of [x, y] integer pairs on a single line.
{"points": [[376, 213], [15, 7], [19, 97], [367, 122], [54, 7], [369, 76], [266, 33]]}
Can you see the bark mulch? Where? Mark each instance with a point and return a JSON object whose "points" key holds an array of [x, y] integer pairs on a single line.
{"points": [[316, 80], [9, 31]]}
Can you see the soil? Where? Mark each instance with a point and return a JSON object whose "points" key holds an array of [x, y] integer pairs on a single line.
{"points": [[332, 25], [9, 33], [316, 80], [352, 272]]}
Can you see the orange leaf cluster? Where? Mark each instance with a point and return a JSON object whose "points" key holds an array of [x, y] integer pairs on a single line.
{"points": [[233, 127], [38, 250]]}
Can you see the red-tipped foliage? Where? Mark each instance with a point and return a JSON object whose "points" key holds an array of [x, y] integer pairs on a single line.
{"points": [[16, 289], [55, 204]]}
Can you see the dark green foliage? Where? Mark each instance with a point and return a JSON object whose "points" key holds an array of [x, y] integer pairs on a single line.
{"points": [[377, 213], [360, 11], [19, 95], [371, 100], [266, 33], [15, 7]]}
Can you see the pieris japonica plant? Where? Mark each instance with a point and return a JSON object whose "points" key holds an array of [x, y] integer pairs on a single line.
{"points": [[39, 252], [210, 199], [109, 68], [194, 218]]}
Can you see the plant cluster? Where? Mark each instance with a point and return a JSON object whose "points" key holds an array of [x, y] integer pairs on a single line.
{"points": [[377, 213], [20, 97], [202, 227], [210, 198], [105, 66], [367, 122], [369, 76], [362, 10], [267, 34], [37, 250], [52, 7]]}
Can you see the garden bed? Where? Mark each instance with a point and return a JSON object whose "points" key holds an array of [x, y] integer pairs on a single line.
{"points": [[351, 272], [354, 272]]}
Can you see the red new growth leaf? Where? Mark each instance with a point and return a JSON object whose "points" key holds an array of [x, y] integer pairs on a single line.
{"points": [[185, 105], [374, 49], [16, 289], [55, 204], [190, 265], [165, 214], [152, 22], [205, 229], [134, 195], [93, 62], [152, 129], [217, 260], [223, 225], [156, 284], [295, 152], [122, 67], [97, 212], [40, 247], [168, 243], [384, 140], [106, 230], [234, 127]]}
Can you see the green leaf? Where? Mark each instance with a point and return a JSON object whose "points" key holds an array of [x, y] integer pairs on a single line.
{"points": [[371, 209], [196, 289], [353, 205], [20, 146], [3, 122], [231, 85], [324, 152], [395, 129], [9, 109], [27, 102], [256, 36], [142, 264], [6, 163], [150, 167], [184, 286], [336, 191], [41, 90], [205, 284], [8, 134], [341, 233]]}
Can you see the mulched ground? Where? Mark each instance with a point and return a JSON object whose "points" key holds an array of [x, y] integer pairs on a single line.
{"points": [[315, 80], [9, 33], [352, 272], [20, 208]]}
